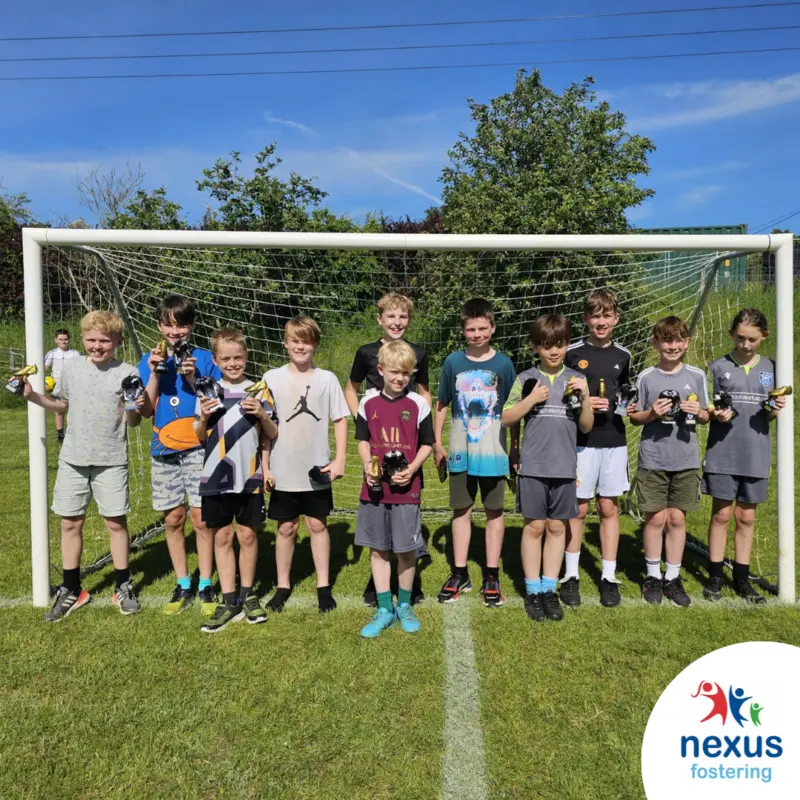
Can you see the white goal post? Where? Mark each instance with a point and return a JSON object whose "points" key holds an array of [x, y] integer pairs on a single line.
{"points": [[35, 239]]}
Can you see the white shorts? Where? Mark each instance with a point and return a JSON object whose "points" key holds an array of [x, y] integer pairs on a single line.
{"points": [[602, 471], [75, 487]]}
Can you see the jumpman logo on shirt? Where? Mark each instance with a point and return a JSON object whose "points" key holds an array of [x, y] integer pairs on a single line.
{"points": [[302, 406]]}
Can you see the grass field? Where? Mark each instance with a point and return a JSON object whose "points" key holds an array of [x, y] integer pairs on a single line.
{"points": [[480, 704]]}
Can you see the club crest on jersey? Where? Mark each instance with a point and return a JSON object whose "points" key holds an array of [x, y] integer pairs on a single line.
{"points": [[765, 378], [583, 363], [405, 415]]}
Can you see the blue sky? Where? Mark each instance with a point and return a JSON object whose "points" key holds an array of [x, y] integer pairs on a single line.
{"points": [[726, 128]]}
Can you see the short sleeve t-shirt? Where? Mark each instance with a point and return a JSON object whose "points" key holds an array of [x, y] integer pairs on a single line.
{"points": [[173, 430], [613, 364], [365, 367], [97, 434], [666, 443], [477, 392], [549, 440], [741, 446], [233, 446], [55, 359], [305, 403], [402, 423]]}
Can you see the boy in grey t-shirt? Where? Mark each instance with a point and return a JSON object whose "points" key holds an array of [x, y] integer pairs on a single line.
{"points": [[94, 459], [554, 401], [672, 401]]}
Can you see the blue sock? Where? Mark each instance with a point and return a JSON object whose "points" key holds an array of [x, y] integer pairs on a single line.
{"points": [[204, 583], [549, 584], [185, 583], [533, 585]]}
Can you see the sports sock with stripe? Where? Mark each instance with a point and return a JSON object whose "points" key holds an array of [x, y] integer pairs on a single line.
{"points": [[653, 567]]}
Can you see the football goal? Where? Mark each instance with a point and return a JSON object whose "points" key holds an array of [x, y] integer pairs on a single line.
{"points": [[258, 281]]}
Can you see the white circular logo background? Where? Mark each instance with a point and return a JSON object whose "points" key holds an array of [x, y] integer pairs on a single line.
{"points": [[728, 726]]}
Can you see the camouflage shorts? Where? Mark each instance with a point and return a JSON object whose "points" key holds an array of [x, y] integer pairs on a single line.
{"points": [[176, 477]]}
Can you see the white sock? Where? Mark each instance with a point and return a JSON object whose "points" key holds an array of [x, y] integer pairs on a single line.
{"points": [[571, 564], [673, 571], [609, 570], [653, 567]]}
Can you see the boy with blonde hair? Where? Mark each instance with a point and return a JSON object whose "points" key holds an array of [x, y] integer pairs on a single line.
{"points": [[306, 400], [93, 461], [396, 427], [394, 317], [236, 428]]}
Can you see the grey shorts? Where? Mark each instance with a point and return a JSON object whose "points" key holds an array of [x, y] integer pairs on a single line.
{"points": [[391, 526], [464, 490], [735, 487], [176, 477], [75, 487], [547, 498]]}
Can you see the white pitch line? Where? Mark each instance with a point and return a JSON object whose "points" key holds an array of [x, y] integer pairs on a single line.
{"points": [[464, 775]]}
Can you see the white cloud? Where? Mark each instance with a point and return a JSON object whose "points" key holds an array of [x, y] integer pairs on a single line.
{"points": [[691, 173], [699, 195], [702, 102], [290, 123]]}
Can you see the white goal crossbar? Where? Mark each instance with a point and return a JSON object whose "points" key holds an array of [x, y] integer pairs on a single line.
{"points": [[34, 239]]}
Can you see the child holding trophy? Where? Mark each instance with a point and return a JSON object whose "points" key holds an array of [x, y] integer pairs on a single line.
{"points": [[169, 372], [547, 484], [394, 429], [93, 461], [667, 480], [739, 453], [236, 424]]}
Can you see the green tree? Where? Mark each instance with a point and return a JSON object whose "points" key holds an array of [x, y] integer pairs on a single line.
{"points": [[14, 214], [151, 210], [538, 162]]}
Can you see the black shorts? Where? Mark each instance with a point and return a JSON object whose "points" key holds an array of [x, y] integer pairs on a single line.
{"points": [[219, 510], [285, 506]]}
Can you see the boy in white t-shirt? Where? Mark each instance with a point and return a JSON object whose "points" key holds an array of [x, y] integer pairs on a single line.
{"points": [[54, 360], [306, 399]]}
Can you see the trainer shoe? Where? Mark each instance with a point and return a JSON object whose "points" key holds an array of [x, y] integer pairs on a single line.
{"points": [[746, 591], [222, 617], [383, 619], [570, 592], [453, 588], [492, 596], [713, 589], [181, 600], [253, 612], [552, 606], [278, 601], [534, 608], [676, 594], [609, 594], [408, 619], [208, 601], [126, 600], [652, 590], [66, 601]]}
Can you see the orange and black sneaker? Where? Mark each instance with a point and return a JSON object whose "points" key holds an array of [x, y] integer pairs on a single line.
{"points": [[492, 596], [453, 588], [67, 601]]}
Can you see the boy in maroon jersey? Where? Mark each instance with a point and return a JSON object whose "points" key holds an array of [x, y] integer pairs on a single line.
{"points": [[394, 427]]}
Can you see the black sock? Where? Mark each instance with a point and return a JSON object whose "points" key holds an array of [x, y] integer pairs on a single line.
{"points": [[741, 572], [325, 598], [244, 591], [72, 579], [231, 599], [278, 600], [417, 585], [121, 576], [492, 572], [462, 572], [715, 569]]}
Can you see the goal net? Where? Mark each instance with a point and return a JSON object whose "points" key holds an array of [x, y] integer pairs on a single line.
{"points": [[259, 289]]}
